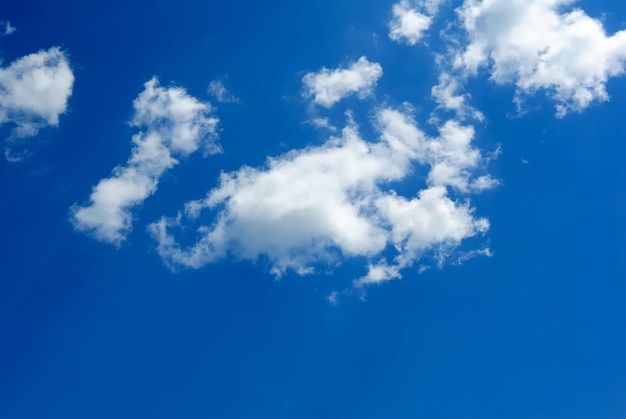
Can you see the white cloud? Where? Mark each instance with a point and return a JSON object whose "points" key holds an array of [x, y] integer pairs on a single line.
{"points": [[34, 91], [451, 157], [430, 6], [172, 123], [318, 204], [430, 221], [537, 45], [408, 24], [411, 19], [13, 156], [221, 93], [327, 87], [8, 28], [323, 123], [448, 97]]}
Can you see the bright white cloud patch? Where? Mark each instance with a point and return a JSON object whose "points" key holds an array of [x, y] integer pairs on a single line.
{"points": [[172, 124], [430, 221], [327, 87], [451, 157], [408, 24], [537, 45], [34, 91], [221, 93], [318, 204]]}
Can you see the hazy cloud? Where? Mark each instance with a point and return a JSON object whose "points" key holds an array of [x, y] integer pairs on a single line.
{"points": [[221, 93], [7, 28]]}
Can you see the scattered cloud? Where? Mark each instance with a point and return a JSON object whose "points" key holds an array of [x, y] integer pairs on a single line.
{"points": [[34, 91], [7, 28], [332, 298], [221, 93], [323, 123], [447, 94], [173, 124], [465, 256], [14, 156], [431, 6], [320, 204], [327, 87], [411, 20], [317, 206], [538, 45]]}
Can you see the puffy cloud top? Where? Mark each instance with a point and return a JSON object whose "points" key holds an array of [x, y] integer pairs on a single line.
{"points": [[327, 87], [537, 46], [34, 91], [173, 123]]}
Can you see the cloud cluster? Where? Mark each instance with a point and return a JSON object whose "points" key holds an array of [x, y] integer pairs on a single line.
{"points": [[320, 204], [327, 87], [538, 46], [173, 124], [34, 91]]}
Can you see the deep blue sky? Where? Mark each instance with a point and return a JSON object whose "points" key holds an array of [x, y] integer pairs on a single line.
{"points": [[88, 330]]}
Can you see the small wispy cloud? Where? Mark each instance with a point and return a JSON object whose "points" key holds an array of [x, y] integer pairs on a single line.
{"points": [[322, 123], [221, 93], [6, 28]]}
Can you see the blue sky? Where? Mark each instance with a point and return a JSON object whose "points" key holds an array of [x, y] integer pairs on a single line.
{"points": [[313, 210]]}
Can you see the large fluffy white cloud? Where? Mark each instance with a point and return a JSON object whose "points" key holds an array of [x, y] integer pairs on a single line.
{"points": [[328, 87], [319, 204], [542, 45], [173, 124], [34, 91]]}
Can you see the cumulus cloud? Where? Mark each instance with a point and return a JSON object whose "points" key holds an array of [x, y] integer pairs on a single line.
{"points": [[539, 45], [327, 87], [430, 221], [221, 93], [173, 124], [320, 204], [411, 20], [34, 91]]}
